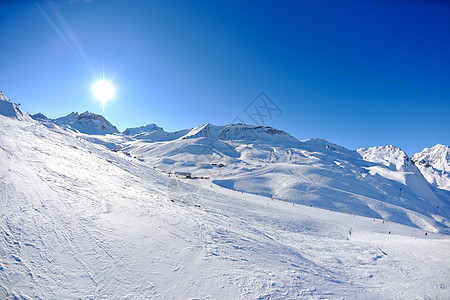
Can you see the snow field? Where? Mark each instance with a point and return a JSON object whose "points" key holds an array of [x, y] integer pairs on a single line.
{"points": [[80, 221]]}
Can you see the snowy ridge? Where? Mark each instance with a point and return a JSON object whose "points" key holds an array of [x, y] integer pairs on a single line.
{"points": [[88, 123], [434, 163], [240, 132], [315, 143], [154, 133], [143, 129], [12, 110]]}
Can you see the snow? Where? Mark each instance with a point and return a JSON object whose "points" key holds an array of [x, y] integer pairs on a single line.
{"points": [[379, 182], [78, 220]]}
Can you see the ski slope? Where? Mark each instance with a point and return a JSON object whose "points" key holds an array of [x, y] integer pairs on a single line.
{"points": [[80, 221], [378, 182]]}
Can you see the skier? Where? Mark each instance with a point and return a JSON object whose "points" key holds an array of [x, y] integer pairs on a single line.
{"points": [[350, 233]]}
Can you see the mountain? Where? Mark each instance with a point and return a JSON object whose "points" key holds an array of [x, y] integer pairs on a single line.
{"points": [[39, 117], [11, 110], [88, 123], [390, 156], [154, 133], [434, 164], [241, 132], [142, 129]]}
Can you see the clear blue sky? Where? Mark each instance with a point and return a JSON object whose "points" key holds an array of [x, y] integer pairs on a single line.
{"points": [[357, 73]]}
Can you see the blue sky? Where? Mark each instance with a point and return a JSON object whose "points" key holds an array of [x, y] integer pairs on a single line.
{"points": [[357, 73]]}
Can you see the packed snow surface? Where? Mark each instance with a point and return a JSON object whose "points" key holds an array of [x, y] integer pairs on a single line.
{"points": [[378, 182], [78, 220]]}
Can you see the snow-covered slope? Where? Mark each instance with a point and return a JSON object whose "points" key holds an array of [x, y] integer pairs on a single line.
{"points": [[80, 221], [434, 163], [379, 182], [88, 123], [11, 110]]}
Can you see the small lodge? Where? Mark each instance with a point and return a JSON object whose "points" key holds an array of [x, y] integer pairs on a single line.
{"points": [[183, 174]]}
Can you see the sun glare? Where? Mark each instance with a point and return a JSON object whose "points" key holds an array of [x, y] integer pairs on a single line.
{"points": [[103, 90]]}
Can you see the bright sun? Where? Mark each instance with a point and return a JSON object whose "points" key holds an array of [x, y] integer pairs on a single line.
{"points": [[103, 90]]}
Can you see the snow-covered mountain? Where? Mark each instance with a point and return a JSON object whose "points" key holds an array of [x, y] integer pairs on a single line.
{"points": [[240, 132], [379, 182], [11, 110], [143, 129], [80, 221], [434, 164], [88, 123], [39, 117], [154, 133], [390, 156]]}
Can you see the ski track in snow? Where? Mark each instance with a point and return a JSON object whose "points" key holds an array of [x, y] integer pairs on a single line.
{"points": [[79, 221]]}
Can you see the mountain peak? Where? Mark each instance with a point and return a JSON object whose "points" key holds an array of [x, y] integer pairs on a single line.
{"points": [[390, 156], [437, 156], [39, 117], [89, 123], [434, 163], [240, 131], [142, 129]]}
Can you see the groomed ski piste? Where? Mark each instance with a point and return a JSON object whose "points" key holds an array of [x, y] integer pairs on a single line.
{"points": [[79, 221]]}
